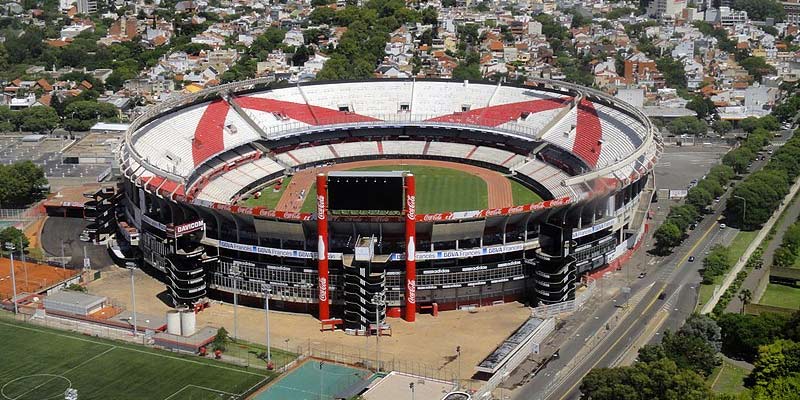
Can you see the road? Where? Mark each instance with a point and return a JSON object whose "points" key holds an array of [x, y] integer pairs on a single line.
{"points": [[610, 335]]}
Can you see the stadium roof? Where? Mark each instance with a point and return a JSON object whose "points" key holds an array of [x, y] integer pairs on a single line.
{"points": [[173, 145]]}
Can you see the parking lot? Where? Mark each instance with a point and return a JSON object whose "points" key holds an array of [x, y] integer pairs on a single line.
{"points": [[47, 153]]}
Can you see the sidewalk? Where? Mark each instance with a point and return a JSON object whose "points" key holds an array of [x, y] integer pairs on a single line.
{"points": [[751, 283], [731, 275]]}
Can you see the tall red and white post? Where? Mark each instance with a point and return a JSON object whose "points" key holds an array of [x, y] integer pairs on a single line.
{"points": [[322, 246], [411, 248]]}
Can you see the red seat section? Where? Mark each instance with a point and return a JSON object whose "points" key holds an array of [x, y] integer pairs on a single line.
{"points": [[588, 133], [208, 138], [498, 115], [312, 115]]}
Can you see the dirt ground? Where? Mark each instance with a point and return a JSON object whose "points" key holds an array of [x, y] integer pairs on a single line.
{"points": [[498, 187], [30, 277], [429, 341]]}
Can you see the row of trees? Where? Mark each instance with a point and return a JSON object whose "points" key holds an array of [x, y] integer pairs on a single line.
{"points": [[681, 217], [786, 254], [716, 263], [772, 343], [757, 197], [674, 369], [679, 366], [21, 184]]}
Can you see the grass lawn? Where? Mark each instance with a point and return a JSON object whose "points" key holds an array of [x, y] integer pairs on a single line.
{"points": [[466, 191], [735, 250], [523, 195], [728, 378], [740, 243], [40, 363], [269, 198], [781, 296]]}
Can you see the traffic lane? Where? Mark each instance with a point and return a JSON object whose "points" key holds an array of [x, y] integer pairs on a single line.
{"points": [[680, 311], [543, 380], [611, 347]]}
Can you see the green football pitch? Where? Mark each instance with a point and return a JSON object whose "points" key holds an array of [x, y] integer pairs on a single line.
{"points": [[438, 190], [444, 189], [40, 364]]}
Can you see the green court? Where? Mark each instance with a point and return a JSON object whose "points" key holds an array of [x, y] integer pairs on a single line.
{"points": [[314, 380], [40, 363], [444, 189]]}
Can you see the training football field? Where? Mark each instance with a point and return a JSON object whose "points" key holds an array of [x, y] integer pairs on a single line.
{"points": [[40, 364]]}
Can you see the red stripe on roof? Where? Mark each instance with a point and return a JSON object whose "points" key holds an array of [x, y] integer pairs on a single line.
{"points": [[498, 115], [312, 115], [208, 136], [587, 133]]}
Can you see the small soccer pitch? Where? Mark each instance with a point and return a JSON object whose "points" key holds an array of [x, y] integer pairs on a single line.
{"points": [[40, 364]]}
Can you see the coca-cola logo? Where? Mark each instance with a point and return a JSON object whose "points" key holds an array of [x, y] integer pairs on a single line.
{"points": [[266, 213], [411, 286], [411, 204], [323, 289], [320, 207], [494, 211], [516, 209], [433, 217]]}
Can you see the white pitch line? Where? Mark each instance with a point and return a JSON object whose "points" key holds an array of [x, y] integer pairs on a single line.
{"points": [[136, 350], [68, 371], [200, 387]]}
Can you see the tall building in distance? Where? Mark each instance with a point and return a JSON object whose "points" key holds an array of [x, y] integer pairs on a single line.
{"points": [[662, 9]]}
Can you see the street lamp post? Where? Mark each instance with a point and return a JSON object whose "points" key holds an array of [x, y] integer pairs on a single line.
{"points": [[458, 356], [235, 273], [744, 211], [320, 380], [266, 288], [378, 300], [411, 386], [24, 264], [131, 267], [10, 248]]}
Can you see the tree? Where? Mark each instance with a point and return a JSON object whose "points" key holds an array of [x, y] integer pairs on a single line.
{"points": [[691, 352], [470, 72], [21, 184], [221, 339], [742, 334], [688, 126], [749, 124], [703, 106], [38, 119], [667, 236], [83, 114], [301, 55], [661, 379], [15, 236], [672, 69], [699, 197], [721, 126], [704, 327], [716, 263], [760, 10], [778, 359], [783, 257], [721, 173], [745, 296], [769, 123], [738, 159], [757, 67]]}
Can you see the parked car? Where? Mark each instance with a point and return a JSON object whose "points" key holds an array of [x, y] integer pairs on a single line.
{"points": [[691, 258]]}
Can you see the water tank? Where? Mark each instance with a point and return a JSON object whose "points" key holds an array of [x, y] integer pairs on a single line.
{"points": [[174, 322], [188, 322]]}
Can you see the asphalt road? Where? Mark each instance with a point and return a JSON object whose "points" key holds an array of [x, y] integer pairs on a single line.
{"points": [[607, 336]]}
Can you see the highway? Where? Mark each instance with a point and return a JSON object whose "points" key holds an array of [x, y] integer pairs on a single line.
{"points": [[611, 335]]}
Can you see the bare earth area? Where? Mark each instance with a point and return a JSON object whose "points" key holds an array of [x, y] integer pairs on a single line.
{"points": [[429, 342], [499, 188]]}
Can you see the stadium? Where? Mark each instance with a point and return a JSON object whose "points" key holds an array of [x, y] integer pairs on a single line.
{"points": [[431, 194]]}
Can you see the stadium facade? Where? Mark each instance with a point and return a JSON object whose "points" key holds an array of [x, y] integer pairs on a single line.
{"points": [[186, 164]]}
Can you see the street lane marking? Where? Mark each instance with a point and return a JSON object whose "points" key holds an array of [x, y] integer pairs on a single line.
{"points": [[630, 326]]}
